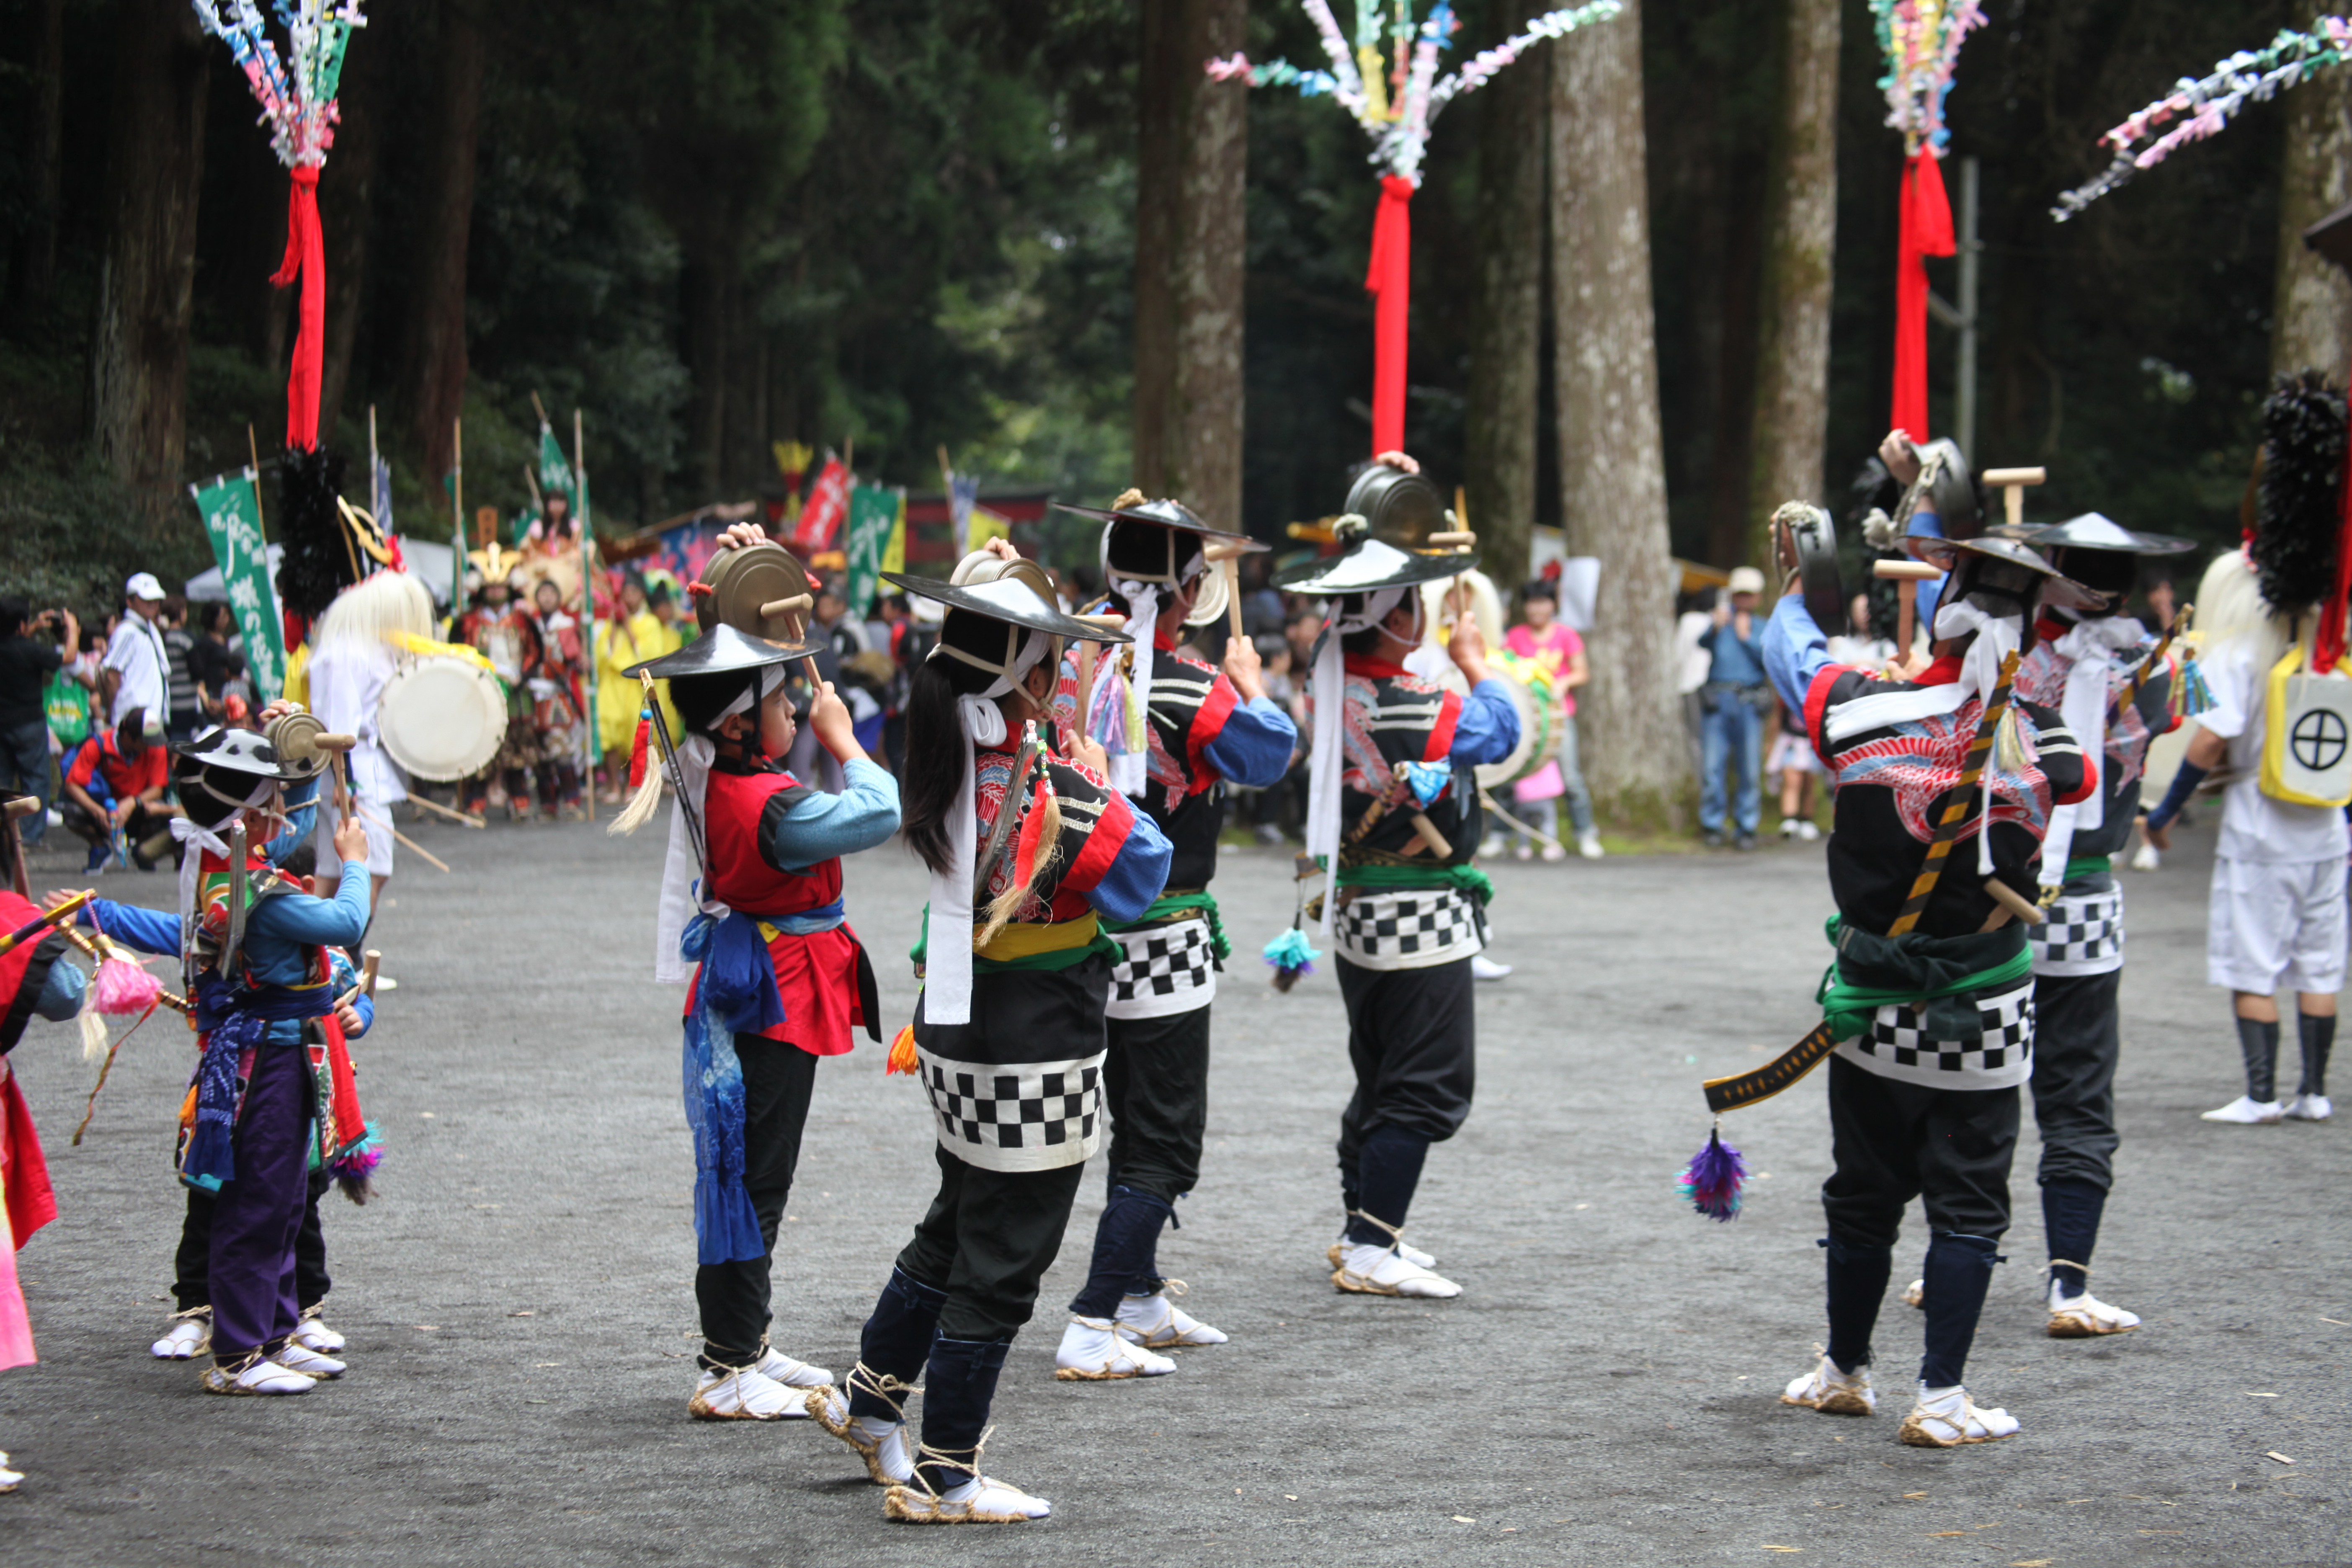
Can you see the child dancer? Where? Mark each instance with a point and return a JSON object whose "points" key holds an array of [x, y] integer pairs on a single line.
{"points": [[253, 951], [1029, 856], [753, 893]]}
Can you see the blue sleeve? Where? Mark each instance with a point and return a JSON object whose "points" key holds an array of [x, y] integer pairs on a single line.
{"points": [[149, 930], [301, 819], [1254, 748], [61, 993], [303, 921], [341, 978], [820, 825], [1794, 650], [1488, 726], [1137, 876], [1929, 592]]}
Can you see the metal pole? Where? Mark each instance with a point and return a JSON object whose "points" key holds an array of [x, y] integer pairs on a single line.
{"points": [[1969, 248]]}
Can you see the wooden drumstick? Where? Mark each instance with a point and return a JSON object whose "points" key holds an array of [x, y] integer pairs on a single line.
{"points": [[775, 607], [1906, 605], [1232, 569], [374, 961], [2011, 483], [2012, 903]]}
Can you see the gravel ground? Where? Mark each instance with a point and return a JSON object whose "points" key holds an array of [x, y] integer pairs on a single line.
{"points": [[520, 1311]]}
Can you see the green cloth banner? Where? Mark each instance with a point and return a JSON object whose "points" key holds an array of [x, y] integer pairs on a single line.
{"points": [[875, 511], [555, 470], [231, 508]]}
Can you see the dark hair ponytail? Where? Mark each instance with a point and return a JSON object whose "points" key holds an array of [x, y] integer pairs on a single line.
{"points": [[934, 763]]}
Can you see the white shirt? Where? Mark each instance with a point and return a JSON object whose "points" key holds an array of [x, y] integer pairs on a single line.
{"points": [[136, 649], [2254, 826], [1691, 661], [346, 689]]}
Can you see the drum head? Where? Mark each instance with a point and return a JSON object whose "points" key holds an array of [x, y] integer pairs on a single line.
{"points": [[743, 580], [442, 718], [1525, 757], [294, 737], [1815, 539]]}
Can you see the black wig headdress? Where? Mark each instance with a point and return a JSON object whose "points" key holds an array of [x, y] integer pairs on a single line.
{"points": [[2299, 514]]}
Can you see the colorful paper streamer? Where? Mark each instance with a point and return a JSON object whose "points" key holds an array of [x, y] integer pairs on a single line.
{"points": [[2204, 107]]}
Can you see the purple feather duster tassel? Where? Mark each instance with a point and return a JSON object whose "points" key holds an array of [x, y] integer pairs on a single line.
{"points": [[1715, 1177]]}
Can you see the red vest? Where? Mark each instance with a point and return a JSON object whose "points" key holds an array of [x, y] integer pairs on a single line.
{"points": [[817, 977], [741, 876]]}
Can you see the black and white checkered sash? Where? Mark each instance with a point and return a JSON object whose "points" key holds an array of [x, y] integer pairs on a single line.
{"points": [[2084, 934]]}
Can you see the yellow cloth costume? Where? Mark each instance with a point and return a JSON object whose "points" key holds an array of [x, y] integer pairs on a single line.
{"points": [[619, 645]]}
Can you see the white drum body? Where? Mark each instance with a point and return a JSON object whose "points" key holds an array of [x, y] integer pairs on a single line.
{"points": [[442, 718]]}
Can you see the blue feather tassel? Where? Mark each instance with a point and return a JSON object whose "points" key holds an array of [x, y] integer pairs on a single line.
{"points": [[1713, 1179], [1292, 955]]}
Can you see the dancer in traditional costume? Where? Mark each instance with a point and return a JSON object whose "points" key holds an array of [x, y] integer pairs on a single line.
{"points": [[32, 983], [558, 698], [751, 893], [2113, 685], [1930, 1005], [1204, 729], [1029, 854], [2271, 621], [497, 626], [1392, 811], [255, 951], [350, 1164], [355, 647]]}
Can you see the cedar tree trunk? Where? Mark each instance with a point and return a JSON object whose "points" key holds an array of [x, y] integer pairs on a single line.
{"points": [[139, 364], [433, 362], [2311, 315], [1191, 227], [1612, 471], [1506, 313], [1792, 379]]}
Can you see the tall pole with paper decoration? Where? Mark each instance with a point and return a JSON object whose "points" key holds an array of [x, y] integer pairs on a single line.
{"points": [[296, 87], [1384, 74], [1921, 41], [2199, 107]]}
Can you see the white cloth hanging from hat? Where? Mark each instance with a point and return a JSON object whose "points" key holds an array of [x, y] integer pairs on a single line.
{"points": [[682, 871], [2092, 645], [1328, 763], [947, 955]]}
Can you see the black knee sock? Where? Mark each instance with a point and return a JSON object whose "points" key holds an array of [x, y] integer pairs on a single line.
{"points": [[2259, 1042], [1957, 1272], [1387, 1172], [2318, 1036], [1857, 1284], [1127, 1244], [2071, 1209], [896, 1343], [958, 1389]]}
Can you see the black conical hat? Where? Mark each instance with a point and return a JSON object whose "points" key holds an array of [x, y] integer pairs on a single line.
{"points": [[720, 649], [1371, 565], [1009, 599]]}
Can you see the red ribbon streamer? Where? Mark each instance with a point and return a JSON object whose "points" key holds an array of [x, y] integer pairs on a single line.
{"points": [[305, 255], [2327, 641], [1926, 230], [1390, 282]]}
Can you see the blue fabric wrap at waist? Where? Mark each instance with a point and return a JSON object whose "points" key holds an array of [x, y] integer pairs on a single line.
{"points": [[810, 922], [232, 1019], [736, 994]]}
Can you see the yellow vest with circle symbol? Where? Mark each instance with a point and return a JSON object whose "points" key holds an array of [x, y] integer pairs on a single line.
{"points": [[2307, 734]]}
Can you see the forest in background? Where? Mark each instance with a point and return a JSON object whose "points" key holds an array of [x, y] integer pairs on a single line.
{"points": [[720, 224]]}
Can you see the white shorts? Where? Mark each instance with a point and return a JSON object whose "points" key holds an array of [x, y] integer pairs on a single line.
{"points": [[2276, 925], [379, 835], [1790, 750]]}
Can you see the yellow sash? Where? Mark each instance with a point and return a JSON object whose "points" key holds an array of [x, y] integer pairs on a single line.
{"points": [[1018, 941]]}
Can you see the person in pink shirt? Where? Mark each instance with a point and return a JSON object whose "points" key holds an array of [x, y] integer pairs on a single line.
{"points": [[1541, 636]]}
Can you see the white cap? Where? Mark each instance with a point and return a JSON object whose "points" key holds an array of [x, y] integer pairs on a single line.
{"points": [[1747, 580], [142, 585]]}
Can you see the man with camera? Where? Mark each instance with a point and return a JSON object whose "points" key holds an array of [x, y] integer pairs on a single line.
{"points": [[29, 655]]}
